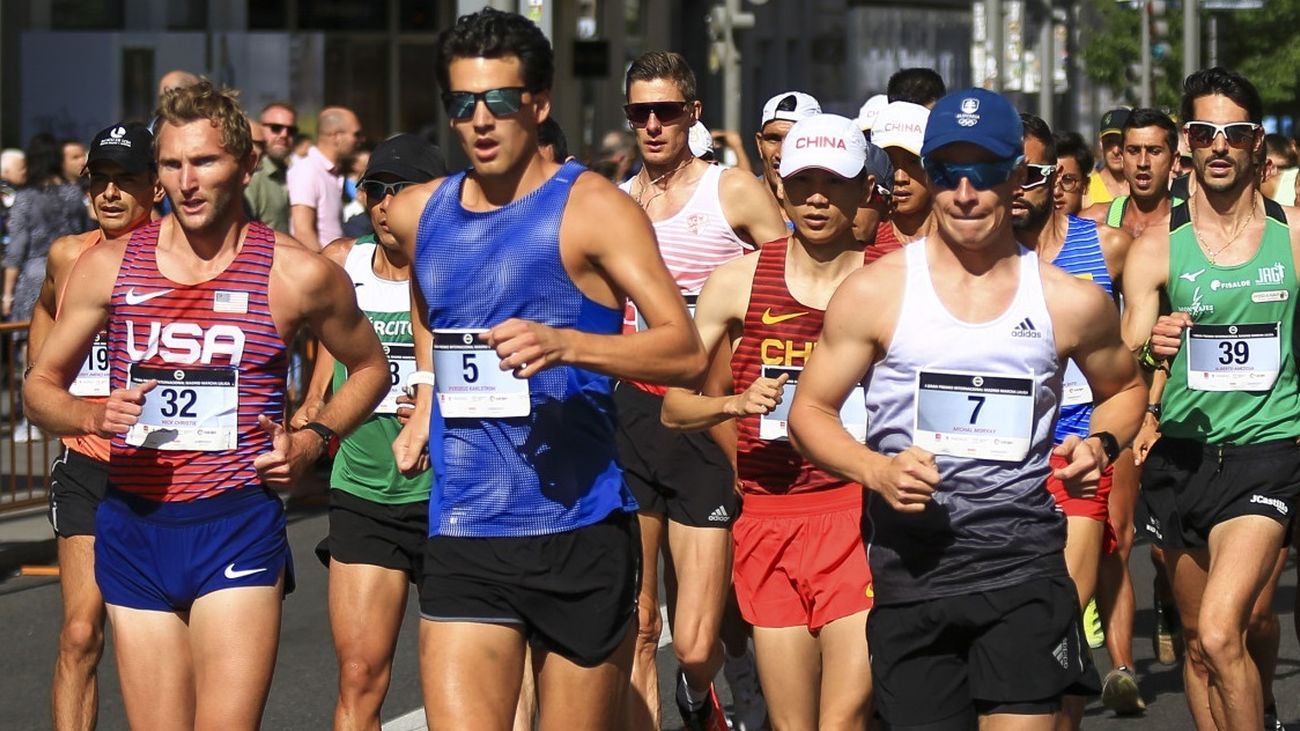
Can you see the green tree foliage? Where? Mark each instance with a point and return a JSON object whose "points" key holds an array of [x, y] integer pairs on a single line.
{"points": [[1263, 44]]}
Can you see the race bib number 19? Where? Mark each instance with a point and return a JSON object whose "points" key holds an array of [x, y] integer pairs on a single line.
{"points": [[469, 381], [192, 409], [974, 415], [774, 426], [92, 380], [1233, 357]]}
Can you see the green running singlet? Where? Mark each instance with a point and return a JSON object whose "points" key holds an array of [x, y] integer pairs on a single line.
{"points": [[1250, 313]]}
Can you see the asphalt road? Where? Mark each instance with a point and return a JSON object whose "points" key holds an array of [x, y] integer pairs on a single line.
{"points": [[302, 695]]}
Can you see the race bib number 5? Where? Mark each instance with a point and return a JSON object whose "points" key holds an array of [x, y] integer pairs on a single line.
{"points": [[193, 409], [774, 426], [974, 415], [1233, 357], [469, 381]]}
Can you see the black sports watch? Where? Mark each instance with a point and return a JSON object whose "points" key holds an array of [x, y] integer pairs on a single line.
{"points": [[1109, 445], [1154, 410], [324, 432]]}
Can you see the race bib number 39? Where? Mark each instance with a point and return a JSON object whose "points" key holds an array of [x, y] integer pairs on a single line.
{"points": [[974, 415], [469, 381], [774, 426], [401, 364], [93, 378], [192, 409], [1233, 357]]}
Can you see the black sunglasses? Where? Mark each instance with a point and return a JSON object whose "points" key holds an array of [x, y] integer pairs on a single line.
{"points": [[376, 190], [666, 112], [278, 128], [501, 102]]}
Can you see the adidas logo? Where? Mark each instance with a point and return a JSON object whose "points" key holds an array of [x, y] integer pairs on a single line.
{"points": [[1026, 329], [1062, 653], [719, 515]]}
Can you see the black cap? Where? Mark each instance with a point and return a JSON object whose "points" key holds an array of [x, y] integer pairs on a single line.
{"points": [[1112, 122], [129, 145], [408, 157]]}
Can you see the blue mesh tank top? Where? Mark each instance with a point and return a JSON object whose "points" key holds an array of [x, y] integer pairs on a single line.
{"points": [[555, 469], [1081, 256]]}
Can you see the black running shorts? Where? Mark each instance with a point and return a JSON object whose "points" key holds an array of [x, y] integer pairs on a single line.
{"points": [[366, 532], [937, 664], [1189, 487], [77, 486], [683, 475], [573, 592]]}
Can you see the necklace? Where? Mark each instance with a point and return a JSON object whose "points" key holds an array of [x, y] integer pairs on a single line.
{"points": [[641, 192], [1212, 255]]}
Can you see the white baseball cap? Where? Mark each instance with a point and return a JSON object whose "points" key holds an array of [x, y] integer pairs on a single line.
{"points": [[826, 141], [791, 106], [699, 140], [901, 124], [870, 110]]}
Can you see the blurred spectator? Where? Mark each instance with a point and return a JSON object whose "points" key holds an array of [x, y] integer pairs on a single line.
{"points": [[730, 150], [301, 144], [354, 205], [551, 141], [1073, 166], [617, 158], [916, 85], [49, 207], [1279, 170], [316, 183], [175, 79], [74, 160], [267, 193], [13, 175]]}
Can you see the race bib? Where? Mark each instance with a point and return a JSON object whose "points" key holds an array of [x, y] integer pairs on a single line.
{"points": [[192, 409], [469, 381], [1233, 357], [974, 415], [92, 380], [401, 364], [773, 426], [1074, 387], [690, 308]]}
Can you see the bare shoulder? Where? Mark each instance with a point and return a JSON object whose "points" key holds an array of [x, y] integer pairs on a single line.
{"points": [[599, 211], [593, 190], [1151, 246], [405, 209], [737, 182], [879, 283], [337, 251], [1075, 304], [736, 277], [102, 260], [1293, 222], [298, 266], [1114, 239], [1096, 212], [64, 252]]}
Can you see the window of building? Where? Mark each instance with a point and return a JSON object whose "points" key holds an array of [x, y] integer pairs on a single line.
{"points": [[88, 14], [187, 14]]}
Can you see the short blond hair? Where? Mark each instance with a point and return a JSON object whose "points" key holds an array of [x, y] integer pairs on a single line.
{"points": [[220, 107]]}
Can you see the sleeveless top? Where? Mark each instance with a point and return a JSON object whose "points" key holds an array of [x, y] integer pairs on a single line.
{"points": [[990, 523], [779, 335], [364, 465], [1244, 386], [1115, 213], [91, 382], [1081, 255], [220, 363], [693, 242], [555, 469], [1097, 190], [886, 241]]}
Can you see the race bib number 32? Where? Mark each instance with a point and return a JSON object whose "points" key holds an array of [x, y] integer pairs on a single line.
{"points": [[469, 381], [974, 415], [192, 409], [1233, 357]]}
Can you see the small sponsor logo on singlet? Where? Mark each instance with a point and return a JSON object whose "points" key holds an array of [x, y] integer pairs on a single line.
{"points": [[1273, 503], [1191, 276], [1275, 295], [1197, 307], [137, 299], [1218, 284], [1275, 274], [719, 515], [1025, 329], [697, 222], [771, 319]]}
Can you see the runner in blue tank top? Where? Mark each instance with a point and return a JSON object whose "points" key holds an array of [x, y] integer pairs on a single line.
{"points": [[520, 270], [962, 357], [1092, 253]]}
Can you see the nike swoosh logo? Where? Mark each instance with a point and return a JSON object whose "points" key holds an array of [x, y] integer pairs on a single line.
{"points": [[231, 573], [1191, 276], [770, 319], [135, 299]]}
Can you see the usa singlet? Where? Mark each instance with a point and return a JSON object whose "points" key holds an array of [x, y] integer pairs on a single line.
{"points": [[219, 362], [512, 457], [779, 335], [981, 397]]}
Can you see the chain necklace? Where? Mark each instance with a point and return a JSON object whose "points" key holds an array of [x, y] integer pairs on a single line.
{"points": [[1212, 255], [641, 192]]}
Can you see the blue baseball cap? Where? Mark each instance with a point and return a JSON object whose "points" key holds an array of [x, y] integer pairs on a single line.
{"points": [[978, 116]]}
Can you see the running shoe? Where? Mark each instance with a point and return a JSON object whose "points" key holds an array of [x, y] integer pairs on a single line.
{"points": [[1092, 626], [708, 717], [1166, 641], [749, 708], [1120, 693]]}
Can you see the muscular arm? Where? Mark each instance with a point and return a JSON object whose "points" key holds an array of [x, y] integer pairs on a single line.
{"points": [[322, 374], [302, 220], [62, 257], [1146, 273], [1115, 245], [750, 209], [719, 314], [85, 309]]}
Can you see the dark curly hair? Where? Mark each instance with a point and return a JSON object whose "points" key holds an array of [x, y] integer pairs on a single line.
{"points": [[44, 161], [491, 33], [1221, 81]]}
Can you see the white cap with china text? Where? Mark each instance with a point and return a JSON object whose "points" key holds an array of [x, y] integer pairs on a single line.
{"points": [[826, 141]]}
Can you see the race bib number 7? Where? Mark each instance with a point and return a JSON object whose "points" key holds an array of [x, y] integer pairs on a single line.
{"points": [[974, 415], [191, 409], [469, 381], [1233, 357]]}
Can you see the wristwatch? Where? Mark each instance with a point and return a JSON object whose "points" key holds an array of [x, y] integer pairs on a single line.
{"points": [[1154, 410], [324, 432], [1109, 444]]}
